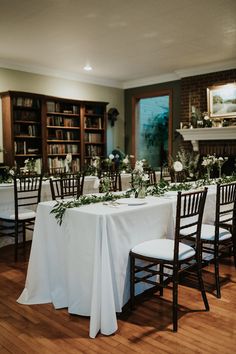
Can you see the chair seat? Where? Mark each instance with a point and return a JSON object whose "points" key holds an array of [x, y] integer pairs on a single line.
{"points": [[163, 249], [23, 214], [208, 233]]}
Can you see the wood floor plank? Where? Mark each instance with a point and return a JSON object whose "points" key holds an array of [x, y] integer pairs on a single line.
{"points": [[147, 330]]}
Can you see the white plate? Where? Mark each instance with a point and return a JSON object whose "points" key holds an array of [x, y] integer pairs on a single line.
{"points": [[131, 201]]}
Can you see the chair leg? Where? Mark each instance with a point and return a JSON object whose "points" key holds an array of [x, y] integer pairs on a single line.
{"points": [[217, 274], [24, 234], [175, 303], [234, 249], [16, 241], [217, 280], [132, 282], [202, 288], [161, 279]]}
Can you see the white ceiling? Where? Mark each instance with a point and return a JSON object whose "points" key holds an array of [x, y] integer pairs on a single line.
{"points": [[127, 42]]}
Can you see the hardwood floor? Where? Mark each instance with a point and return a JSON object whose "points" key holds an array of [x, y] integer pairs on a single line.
{"points": [[42, 329]]}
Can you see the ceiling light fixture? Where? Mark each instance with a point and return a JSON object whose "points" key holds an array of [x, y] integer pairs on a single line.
{"points": [[87, 67]]}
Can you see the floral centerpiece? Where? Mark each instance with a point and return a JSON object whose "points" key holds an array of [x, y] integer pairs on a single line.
{"points": [[94, 166], [139, 179], [7, 175], [210, 161], [30, 165], [189, 161], [125, 165], [104, 184], [68, 162], [108, 163], [220, 161]]}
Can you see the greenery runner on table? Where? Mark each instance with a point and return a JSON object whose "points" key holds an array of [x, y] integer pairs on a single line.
{"points": [[61, 205], [157, 190]]}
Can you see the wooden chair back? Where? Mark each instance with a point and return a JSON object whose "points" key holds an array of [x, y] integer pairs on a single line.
{"points": [[67, 186], [114, 178], [27, 191], [189, 213], [225, 208]]}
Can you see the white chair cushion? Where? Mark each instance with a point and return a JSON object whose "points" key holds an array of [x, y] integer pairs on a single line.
{"points": [[163, 249], [208, 232], [23, 214]]}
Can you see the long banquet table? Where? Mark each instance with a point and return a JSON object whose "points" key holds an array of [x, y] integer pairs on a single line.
{"points": [[83, 265]]}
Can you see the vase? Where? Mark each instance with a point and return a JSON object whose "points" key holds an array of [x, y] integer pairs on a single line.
{"points": [[219, 171], [208, 173], [141, 192]]}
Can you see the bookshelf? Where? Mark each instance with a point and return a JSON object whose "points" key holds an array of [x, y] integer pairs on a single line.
{"points": [[63, 133], [22, 128], [48, 128], [94, 124]]}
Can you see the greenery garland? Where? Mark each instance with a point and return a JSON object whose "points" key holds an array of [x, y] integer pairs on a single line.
{"points": [[60, 207], [159, 189]]}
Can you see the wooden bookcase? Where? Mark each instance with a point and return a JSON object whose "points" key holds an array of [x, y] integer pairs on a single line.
{"points": [[46, 127], [94, 128], [22, 127], [62, 133]]}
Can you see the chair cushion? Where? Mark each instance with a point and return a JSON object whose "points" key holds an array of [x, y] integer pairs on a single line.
{"points": [[163, 249], [208, 232], [23, 214]]}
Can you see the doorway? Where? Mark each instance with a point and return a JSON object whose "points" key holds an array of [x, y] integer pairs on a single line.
{"points": [[152, 122]]}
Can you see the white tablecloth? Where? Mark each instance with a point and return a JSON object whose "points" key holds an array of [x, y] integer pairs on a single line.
{"points": [[84, 263]]}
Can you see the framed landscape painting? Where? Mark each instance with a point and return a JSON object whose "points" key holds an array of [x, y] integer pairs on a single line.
{"points": [[221, 101]]}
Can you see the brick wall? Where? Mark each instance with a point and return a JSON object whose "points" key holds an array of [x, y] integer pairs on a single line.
{"points": [[194, 93], [194, 90]]}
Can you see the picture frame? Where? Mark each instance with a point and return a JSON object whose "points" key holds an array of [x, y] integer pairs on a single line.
{"points": [[221, 101]]}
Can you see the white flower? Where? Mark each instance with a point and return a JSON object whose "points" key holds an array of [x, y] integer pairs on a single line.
{"points": [[69, 157], [145, 177], [11, 172], [111, 156], [139, 166], [177, 166], [126, 160], [26, 161]]}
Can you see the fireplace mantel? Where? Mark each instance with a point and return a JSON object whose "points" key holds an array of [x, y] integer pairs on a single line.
{"points": [[196, 134]]}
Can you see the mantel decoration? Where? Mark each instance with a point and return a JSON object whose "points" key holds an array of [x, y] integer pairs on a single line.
{"points": [[200, 119], [221, 100]]}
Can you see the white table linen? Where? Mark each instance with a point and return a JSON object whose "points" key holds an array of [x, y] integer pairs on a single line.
{"points": [[84, 263]]}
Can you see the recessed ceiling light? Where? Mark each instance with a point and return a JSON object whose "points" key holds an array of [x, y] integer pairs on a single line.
{"points": [[88, 67]]}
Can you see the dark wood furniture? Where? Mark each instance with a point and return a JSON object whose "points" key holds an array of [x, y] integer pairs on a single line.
{"points": [[67, 186], [112, 178], [171, 257], [27, 192], [46, 127], [219, 239]]}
